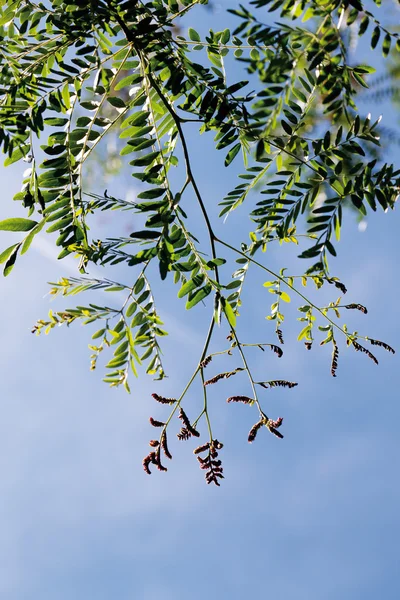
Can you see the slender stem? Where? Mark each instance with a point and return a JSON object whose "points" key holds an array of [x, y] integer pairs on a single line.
{"points": [[183, 10], [188, 166], [246, 366], [130, 38], [198, 368], [205, 407]]}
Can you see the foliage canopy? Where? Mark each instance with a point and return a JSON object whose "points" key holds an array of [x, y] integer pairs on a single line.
{"points": [[73, 73]]}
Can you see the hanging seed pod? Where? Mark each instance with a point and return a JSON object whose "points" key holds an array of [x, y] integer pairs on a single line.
{"points": [[382, 345], [254, 430], [187, 424], [202, 448], [276, 432], [163, 400], [244, 399], [164, 445], [276, 423], [338, 284], [335, 356], [183, 435], [223, 376], [277, 383], [277, 350], [160, 467], [205, 362], [150, 458], [359, 307], [156, 423], [360, 348]]}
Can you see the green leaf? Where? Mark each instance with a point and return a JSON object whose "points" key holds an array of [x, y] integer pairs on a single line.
{"points": [[130, 80], [191, 285], [17, 224], [144, 161], [131, 309], [119, 361], [235, 87], [198, 296], [226, 35], [231, 154], [363, 25], [98, 334], [116, 101], [215, 262], [229, 313], [193, 35], [66, 96], [139, 285], [60, 224], [386, 44], [121, 348], [360, 79], [284, 296], [56, 121], [304, 333], [7, 252], [18, 153], [29, 238], [11, 261], [146, 234], [151, 194], [376, 34]]}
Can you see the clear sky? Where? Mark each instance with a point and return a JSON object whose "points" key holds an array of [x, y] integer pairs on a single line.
{"points": [[309, 517]]}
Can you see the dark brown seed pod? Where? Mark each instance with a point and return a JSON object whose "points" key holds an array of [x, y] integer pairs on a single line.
{"points": [[160, 466], [205, 362], [276, 423], [213, 479], [203, 461], [308, 345], [382, 345], [277, 383], [164, 445], [212, 467], [280, 336], [359, 307], [185, 420], [163, 400], [223, 376], [254, 430], [183, 417], [150, 458], [339, 285], [156, 423], [204, 466], [277, 350], [335, 356], [201, 449], [360, 348], [183, 435], [244, 399], [276, 432], [153, 443], [146, 463]]}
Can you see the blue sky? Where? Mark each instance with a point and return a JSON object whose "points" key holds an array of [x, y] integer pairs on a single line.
{"points": [[312, 516]]}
